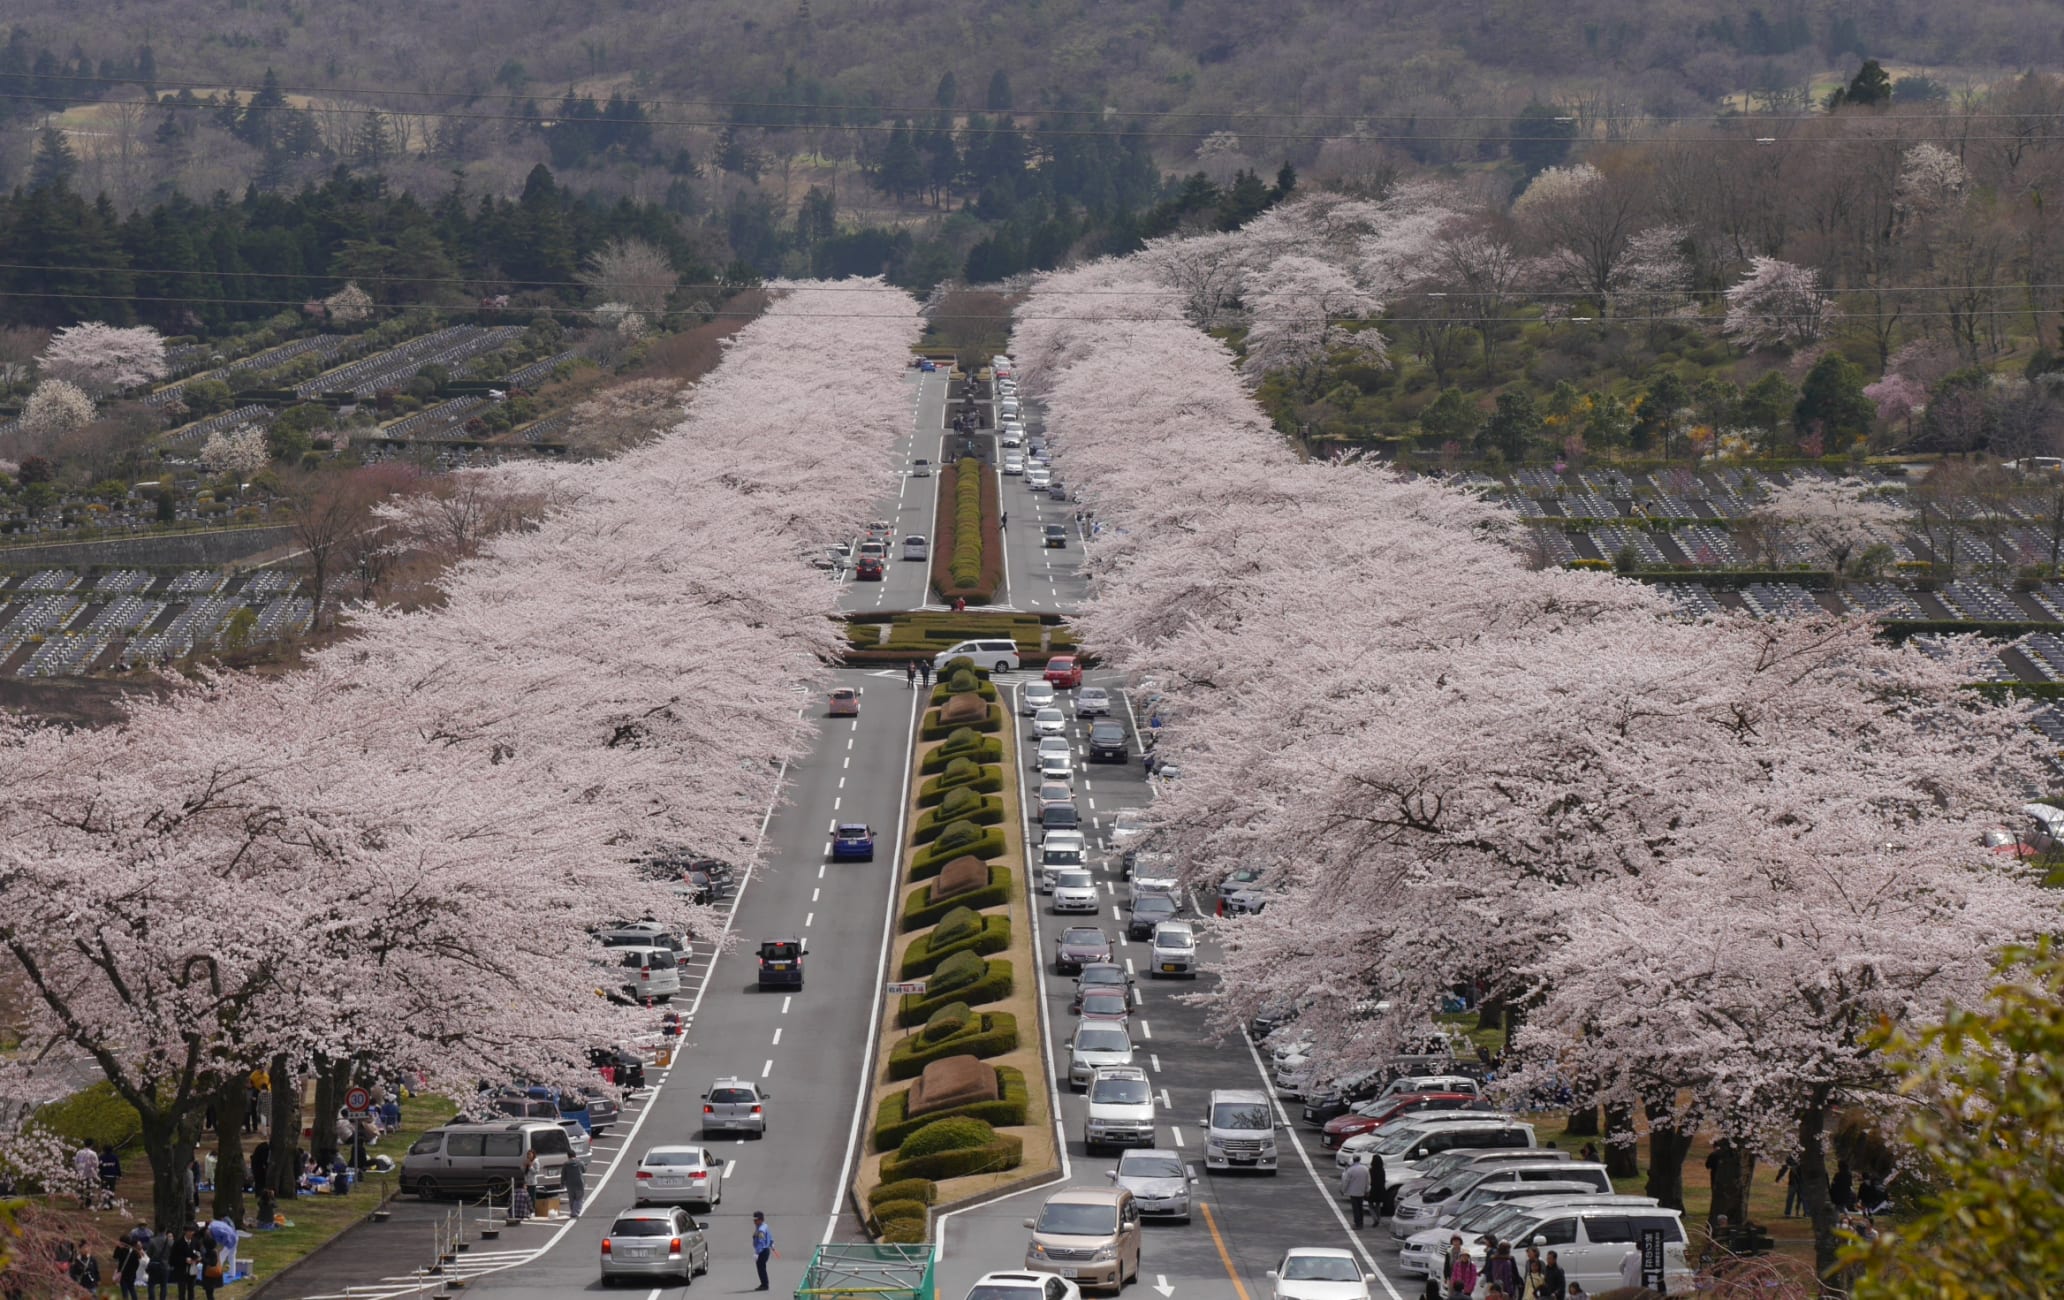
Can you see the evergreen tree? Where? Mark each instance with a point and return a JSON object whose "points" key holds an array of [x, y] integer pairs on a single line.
{"points": [[1662, 408], [1245, 201], [1767, 405], [901, 171], [55, 164], [1540, 137], [1449, 418], [999, 99], [1869, 88], [147, 71], [1831, 402], [373, 144], [947, 96], [1513, 427]]}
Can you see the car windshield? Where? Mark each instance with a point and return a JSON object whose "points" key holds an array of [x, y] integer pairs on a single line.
{"points": [[1062, 855], [1320, 1268], [1149, 1164], [642, 1228], [689, 1159], [1121, 1092], [1074, 880], [1104, 1004], [1102, 975], [1080, 938], [1050, 715], [1175, 939], [1078, 1220], [1240, 1115], [1153, 903], [1102, 1038]]}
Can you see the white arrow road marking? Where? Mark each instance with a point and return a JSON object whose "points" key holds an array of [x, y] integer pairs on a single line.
{"points": [[1160, 1284]]}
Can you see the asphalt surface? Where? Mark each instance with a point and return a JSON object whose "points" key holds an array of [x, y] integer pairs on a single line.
{"points": [[913, 511]]}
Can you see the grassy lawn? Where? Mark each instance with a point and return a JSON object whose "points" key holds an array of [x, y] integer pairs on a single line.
{"points": [[314, 1219]]}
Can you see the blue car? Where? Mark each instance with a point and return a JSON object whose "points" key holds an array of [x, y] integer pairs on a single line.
{"points": [[852, 842]]}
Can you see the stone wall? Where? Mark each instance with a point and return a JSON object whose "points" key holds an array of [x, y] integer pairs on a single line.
{"points": [[196, 550]]}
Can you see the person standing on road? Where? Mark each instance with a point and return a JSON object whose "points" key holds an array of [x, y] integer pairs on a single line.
{"points": [[1004, 521], [1354, 1185], [924, 672], [1461, 1271], [576, 1188], [910, 676], [1379, 1186], [762, 1246]]}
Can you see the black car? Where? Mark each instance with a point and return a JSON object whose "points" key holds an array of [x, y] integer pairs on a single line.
{"points": [[1342, 1095], [1056, 535], [1148, 911], [1107, 741], [1079, 946], [781, 963], [626, 1069], [1060, 817]]}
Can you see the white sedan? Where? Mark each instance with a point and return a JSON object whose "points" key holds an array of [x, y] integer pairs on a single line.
{"points": [[1049, 722], [1318, 1273], [1023, 1286], [1034, 696], [1129, 826], [1013, 463], [680, 1175]]}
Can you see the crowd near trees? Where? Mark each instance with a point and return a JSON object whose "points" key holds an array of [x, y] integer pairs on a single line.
{"points": [[322, 872], [1697, 869]]}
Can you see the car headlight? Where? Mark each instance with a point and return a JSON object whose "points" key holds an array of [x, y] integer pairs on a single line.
{"points": [[1038, 1251], [1104, 1255]]}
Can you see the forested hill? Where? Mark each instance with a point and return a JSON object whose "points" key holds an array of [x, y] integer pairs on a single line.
{"points": [[1298, 58]]}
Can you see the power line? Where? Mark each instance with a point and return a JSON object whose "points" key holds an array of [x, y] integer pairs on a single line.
{"points": [[1274, 136], [718, 285], [1115, 319], [922, 110]]}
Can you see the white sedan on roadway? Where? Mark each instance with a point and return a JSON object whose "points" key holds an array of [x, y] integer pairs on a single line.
{"points": [[1050, 722], [1034, 696], [1318, 1273], [1023, 1286], [680, 1175]]}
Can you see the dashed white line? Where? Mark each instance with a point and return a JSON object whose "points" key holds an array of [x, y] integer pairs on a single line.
{"points": [[768, 1068], [1176, 1131], [1129, 972], [777, 1037], [806, 920], [814, 893], [1146, 1030], [784, 1003], [1155, 1060], [820, 866]]}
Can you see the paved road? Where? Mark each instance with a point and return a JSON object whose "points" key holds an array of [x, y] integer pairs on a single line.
{"points": [[906, 584], [1039, 578]]}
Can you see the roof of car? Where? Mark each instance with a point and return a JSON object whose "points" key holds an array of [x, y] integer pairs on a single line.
{"points": [[1090, 1196], [856, 826], [1326, 1252], [1120, 1072]]}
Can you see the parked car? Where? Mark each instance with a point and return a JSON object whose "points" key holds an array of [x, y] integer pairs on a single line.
{"points": [[662, 1241], [1078, 946], [852, 842], [471, 1159], [679, 1175], [1373, 1114], [1013, 463], [844, 703], [1128, 827], [734, 1106], [1063, 672], [1107, 742], [916, 548]]}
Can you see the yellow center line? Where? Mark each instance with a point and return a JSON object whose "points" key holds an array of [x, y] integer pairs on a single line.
{"points": [[1223, 1256]]}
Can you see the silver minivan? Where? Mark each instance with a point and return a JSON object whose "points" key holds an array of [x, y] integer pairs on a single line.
{"points": [[915, 548], [1239, 1131], [999, 655], [471, 1159]]}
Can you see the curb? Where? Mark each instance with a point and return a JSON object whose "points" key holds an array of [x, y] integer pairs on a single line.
{"points": [[265, 1287]]}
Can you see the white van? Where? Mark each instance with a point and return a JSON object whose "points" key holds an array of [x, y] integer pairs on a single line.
{"points": [[1592, 1242], [914, 548], [1008, 407], [649, 973], [1060, 851], [1239, 1131], [999, 656]]}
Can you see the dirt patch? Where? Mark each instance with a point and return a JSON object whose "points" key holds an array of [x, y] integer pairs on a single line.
{"points": [[959, 876], [76, 701]]}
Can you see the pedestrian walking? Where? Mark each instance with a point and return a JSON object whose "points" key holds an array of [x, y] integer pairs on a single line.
{"points": [[85, 1268], [128, 1261], [1379, 1188], [1553, 1280], [910, 676], [209, 1263], [1788, 1174], [1502, 1270], [110, 1174], [1533, 1276], [1354, 1185], [924, 672], [1004, 521], [86, 1164], [576, 1181], [762, 1246], [1461, 1271], [157, 1271], [182, 1258]]}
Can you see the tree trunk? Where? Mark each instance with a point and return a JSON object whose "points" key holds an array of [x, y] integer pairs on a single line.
{"points": [[162, 1146], [231, 1104], [1583, 1122], [1621, 1159], [1734, 1168], [322, 1124], [1490, 1012], [1667, 1147], [286, 1129], [1812, 1177]]}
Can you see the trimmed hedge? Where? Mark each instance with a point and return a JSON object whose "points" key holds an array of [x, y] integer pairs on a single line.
{"points": [[941, 692], [892, 1125], [963, 970], [934, 825], [982, 749], [889, 1211], [963, 680], [946, 1134], [1005, 1152], [919, 911], [990, 1034], [901, 1232], [992, 936], [928, 861], [946, 1022], [921, 1190], [993, 985], [967, 561], [960, 774], [937, 730]]}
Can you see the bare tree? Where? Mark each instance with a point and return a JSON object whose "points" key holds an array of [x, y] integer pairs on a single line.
{"points": [[328, 508], [632, 272]]}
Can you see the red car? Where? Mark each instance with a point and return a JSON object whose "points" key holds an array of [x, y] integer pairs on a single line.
{"points": [[869, 569], [1341, 1128], [1063, 673]]}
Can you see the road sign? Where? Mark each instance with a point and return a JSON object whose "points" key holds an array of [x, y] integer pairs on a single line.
{"points": [[1652, 1258], [358, 1101], [907, 986]]}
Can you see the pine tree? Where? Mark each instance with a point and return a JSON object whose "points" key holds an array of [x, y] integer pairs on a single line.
{"points": [[901, 172], [55, 164], [999, 91], [147, 71], [374, 144]]}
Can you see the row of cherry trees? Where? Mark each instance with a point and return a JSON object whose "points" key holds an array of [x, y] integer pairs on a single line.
{"points": [[393, 859], [1698, 864]]}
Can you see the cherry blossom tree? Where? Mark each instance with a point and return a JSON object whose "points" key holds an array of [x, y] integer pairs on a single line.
{"points": [[633, 272], [1583, 222], [104, 359], [1205, 273], [349, 305], [1301, 311], [1777, 304], [1840, 519], [1898, 398], [240, 451], [56, 407]]}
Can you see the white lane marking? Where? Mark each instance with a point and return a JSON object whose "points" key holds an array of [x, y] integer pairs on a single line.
{"points": [[842, 783], [815, 892], [777, 1037], [836, 800], [1155, 1060], [1176, 1130], [820, 866], [1325, 1193], [784, 1003], [866, 1072], [1114, 913], [1165, 1103], [768, 1068], [807, 919], [1146, 1030], [1128, 967]]}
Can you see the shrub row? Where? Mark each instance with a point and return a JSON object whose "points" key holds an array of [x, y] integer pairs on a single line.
{"points": [[921, 1190], [941, 692], [960, 566], [902, 1232], [987, 811], [989, 1034], [920, 911], [1001, 1151], [992, 985], [892, 1125], [964, 743], [937, 730], [960, 774], [928, 862], [992, 934]]}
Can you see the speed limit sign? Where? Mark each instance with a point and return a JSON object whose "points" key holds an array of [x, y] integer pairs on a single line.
{"points": [[358, 1101]]}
